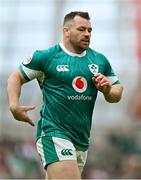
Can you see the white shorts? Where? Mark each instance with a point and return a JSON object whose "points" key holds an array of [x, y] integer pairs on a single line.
{"points": [[54, 149]]}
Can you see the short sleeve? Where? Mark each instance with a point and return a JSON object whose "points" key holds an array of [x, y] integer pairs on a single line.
{"points": [[31, 67], [109, 72]]}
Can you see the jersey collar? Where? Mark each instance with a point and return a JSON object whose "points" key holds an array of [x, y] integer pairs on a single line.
{"points": [[70, 53]]}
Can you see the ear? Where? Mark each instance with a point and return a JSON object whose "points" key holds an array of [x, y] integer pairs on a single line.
{"points": [[66, 31]]}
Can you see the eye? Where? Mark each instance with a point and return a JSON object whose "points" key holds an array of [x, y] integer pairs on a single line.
{"points": [[81, 29], [90, 30]]}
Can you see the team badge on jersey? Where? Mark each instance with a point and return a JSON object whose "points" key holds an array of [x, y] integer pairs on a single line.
{"points": [[79, 83], [93, 68]]}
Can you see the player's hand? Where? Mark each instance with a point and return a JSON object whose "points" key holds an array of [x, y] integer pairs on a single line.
{"points": [[102, 83], [20, 113]]}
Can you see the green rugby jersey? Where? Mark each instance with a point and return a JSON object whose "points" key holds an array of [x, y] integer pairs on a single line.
{"points": [[68, 92]]}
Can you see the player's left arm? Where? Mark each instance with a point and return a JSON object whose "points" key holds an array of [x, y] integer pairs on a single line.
{"points": [[111, 92]]}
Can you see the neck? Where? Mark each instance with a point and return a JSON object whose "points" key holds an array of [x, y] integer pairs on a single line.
{"points": [[72, 49]]}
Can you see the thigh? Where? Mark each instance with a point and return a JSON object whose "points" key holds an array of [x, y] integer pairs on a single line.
{"points": [[81, 159], [58, 155], [63, 170]]}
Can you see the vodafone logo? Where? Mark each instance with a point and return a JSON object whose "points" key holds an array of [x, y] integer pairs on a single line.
{"points": [[79, 83]]}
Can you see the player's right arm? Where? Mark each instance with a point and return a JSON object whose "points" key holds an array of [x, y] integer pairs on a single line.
{"points": [[14, 85]]}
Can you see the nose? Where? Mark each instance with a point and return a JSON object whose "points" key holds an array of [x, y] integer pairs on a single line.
{"points": [[87, 33]]}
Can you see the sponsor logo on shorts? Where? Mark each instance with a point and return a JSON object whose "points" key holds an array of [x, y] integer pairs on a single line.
{"points": [[67, 152]]}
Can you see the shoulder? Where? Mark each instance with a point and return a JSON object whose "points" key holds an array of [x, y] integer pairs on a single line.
{"points": [[47, 53], [40, 58], [97, 54]]}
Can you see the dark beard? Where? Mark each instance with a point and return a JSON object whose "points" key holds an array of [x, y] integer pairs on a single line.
{"points": [[78, 48]]}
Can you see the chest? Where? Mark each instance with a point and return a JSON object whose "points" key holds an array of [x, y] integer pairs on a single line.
{"points": [[66, 68]]}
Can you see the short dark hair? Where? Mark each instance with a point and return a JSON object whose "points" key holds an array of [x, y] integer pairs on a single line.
{"points": [[71, 15]]}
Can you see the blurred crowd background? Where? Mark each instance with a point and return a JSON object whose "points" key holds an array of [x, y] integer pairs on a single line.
{"points": [[28, 25]]}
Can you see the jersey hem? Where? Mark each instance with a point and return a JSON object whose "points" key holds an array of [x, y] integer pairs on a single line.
{"points": [[78, 148]]}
